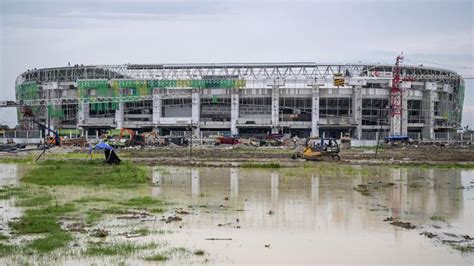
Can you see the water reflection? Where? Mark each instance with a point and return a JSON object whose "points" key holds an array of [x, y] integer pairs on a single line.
{"points": [[306, 196]]}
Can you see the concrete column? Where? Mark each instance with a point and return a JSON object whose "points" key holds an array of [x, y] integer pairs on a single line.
{"points": [[275, 108], [157, 106], [83, 113], [357, 109], [234, 111], [428, 110], [315, 112], [405, 88], [119, 113], [196, 110]]}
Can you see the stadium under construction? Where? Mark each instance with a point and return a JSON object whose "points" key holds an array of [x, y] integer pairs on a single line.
{"points": [[304, 99]]}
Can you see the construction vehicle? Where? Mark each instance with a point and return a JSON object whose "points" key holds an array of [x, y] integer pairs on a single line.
{"points": [[319, 149], [135, 139]]}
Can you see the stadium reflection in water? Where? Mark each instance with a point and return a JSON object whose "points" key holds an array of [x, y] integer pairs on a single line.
{"points": [[301, 211]]}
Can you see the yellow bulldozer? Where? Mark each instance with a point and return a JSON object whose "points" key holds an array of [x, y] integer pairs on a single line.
{"points": [[320, 149]]}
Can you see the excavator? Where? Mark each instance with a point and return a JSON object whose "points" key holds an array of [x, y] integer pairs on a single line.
{"points": [[319, 149], [135, 139]]}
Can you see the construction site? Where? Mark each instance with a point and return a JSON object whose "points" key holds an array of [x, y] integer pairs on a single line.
{"points": [[237, 163]]}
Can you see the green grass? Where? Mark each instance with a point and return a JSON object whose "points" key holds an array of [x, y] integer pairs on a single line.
{"points": [[143, 202], [93, 199], [87, 173], [157, 257], [438, 218], [141, 231], [3, 237], [54, 240], [34, 201], [6, 249], [8, 192], [43, 220], [261, 165], [116, 249], [93, 217]]}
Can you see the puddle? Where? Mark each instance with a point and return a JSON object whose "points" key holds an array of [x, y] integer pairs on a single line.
{"points": [[291, 216]]}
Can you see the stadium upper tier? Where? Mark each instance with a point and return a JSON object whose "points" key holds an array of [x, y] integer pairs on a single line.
{"points": [[247, 71]]}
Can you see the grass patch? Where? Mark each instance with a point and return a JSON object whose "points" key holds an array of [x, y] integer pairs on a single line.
{"points": [[438, 218], [463, 248], [87, 173], [35, 201], [141, 231], [6, 249], [93, 217], [143, 202], [157, 257], [8, 192], [260, 165], [92, 199], [52, 241], [117, 249], [3, 237], [43, 220]]}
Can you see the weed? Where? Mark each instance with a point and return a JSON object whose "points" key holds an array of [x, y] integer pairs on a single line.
{"points": [[199, 252], [117, 249], [157, 257]]}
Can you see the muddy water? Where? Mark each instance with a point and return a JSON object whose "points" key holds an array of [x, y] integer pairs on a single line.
{"points": [[290, 216]]}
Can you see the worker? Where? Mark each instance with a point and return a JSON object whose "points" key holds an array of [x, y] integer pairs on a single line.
{"points": [[110, 155]]}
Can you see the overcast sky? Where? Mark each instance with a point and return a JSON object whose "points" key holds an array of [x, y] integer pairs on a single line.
{"points": [[36, 34]]}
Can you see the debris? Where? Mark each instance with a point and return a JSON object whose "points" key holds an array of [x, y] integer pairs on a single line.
{"points": [[214, 238], [173, 219], [428, 234], [362, 189], [76, 227], [267, 245], [182, 212], [405, 225], [100, 233], [389, 219], [271, 212]]}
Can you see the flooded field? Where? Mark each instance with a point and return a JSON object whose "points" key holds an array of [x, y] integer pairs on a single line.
{"points": [[328, 214]]}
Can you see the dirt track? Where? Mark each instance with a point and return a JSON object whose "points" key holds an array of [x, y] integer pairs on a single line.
{"points": [[228, 155]]}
